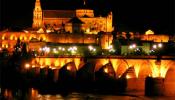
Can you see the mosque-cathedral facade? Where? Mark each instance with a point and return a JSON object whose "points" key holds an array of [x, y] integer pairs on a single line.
{"points": [[78, 26]]}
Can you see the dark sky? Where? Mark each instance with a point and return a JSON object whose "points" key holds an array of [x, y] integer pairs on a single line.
{"points": [[129, 15]]}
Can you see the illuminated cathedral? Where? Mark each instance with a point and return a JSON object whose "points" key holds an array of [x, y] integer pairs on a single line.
{"points": [[73, 21], [73, 27]]}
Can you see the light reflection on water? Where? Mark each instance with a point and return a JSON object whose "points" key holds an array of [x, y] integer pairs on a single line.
{"points": [[33, 94]]}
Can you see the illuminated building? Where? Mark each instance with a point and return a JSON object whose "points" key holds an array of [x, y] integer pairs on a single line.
{"points": [[71, 27], [70, 20], [62, 37]]}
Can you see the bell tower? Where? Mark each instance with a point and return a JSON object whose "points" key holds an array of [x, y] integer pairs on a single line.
{"points": [[109, 22], [37, 15]]}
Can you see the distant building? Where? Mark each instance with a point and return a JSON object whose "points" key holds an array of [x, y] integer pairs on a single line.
{"points": [[57, 18], [74, 27]]}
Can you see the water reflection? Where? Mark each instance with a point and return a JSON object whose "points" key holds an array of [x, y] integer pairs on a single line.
{"points": [[33, 94]]}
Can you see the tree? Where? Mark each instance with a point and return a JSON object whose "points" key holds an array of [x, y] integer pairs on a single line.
{"points": [[24, 52], [114, 35], [17, 47], [128, 36], [116, 44], [99, 35]]}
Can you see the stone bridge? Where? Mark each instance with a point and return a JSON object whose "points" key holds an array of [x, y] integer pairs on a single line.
{"points": [[135, 69]]}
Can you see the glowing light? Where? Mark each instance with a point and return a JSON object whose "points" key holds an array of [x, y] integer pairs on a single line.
{"points": [[34, 92], [90, 47], [33, 66], [56, 63], [69, 68], [41, 30], [47, 49], [41, 67], [69, 49], [149, 32], [110, 47], [53, 68], [115, 63], [5, 45], [137, 68], [154, 46], [3, 37], [149, 75], [106, 70], [128, 76], [40, 49], [77, 62], [62, 60], [41, 62], [48, 31], [132, 46], [74, 48], [27, 66], [159, 70], [48, 61], [104, 61], [160, 45], [163, 71], [63, 49], [87, 30], [26, 31], [59, 48], [11, 38], [55, 51]]}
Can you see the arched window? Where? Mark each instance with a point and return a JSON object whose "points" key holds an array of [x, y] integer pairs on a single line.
{"points": [[5, 38], [41, 39]]}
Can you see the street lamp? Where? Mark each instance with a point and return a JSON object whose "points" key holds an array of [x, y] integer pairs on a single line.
{"points": [[154, 46], [160, 45], [27, 66]]}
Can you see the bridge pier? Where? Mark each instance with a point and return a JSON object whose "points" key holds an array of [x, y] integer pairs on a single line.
{"points": [[154, 86]]}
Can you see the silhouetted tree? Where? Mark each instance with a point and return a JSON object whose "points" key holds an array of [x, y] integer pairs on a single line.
{"points": [[114, 35], [116, 44], [17, 47], [99, 35], [128, 36]]}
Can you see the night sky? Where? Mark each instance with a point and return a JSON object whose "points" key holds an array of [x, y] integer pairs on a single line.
{"points": [[129, 15]]}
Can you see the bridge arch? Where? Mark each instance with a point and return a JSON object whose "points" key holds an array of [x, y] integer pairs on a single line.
{"points": [[123, 66], [42, 37], [170, 80], [145, 69], [67, 72], [87, 72], [106, 71]]}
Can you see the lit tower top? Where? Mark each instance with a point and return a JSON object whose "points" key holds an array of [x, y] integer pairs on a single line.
{"points": [[37, 5], [84, 11], [37, 15], [84, 2]]}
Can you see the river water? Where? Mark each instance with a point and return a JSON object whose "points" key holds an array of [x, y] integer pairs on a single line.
{"points": [[33, 94]]}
